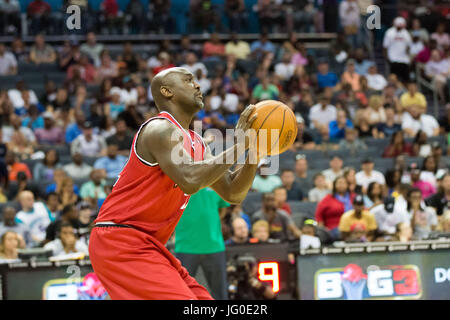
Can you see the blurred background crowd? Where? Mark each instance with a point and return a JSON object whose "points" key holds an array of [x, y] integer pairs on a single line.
{"points": [[370, 162]]}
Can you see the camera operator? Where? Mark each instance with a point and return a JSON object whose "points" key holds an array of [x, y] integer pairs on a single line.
{"points": [[244, 282]]}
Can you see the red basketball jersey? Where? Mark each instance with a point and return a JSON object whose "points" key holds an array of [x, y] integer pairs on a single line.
{"points": [[144, 196]]}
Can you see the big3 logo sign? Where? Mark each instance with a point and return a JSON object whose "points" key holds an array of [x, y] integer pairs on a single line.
{"points": [[351, 283]]}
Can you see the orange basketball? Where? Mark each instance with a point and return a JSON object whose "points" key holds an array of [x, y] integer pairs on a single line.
{"points": [[276, 127]]}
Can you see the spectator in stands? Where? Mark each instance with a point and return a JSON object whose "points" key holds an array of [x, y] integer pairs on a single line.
{"points": [[10, 242], [18, 49], [213, 47], [235, 11], [281, 225], [357, 215], [52, 203], [335, 170], [418, 31], [23, 183], [425, 54], [320, 190], [15, 129], [390, 126], [8, 62], [77, 169], [130, 58], [10, 16], [321, 114], [89, 143], [92, 48], [43, 171], [66, 242], [368, 175], [325, 78], [264, 182], [50, 134], [67, 192], [41, 52], [193, 65], [416, 120], [280, 194], [444, 121], [362, 65], [442, 38], [94, 189], [75, 129], [69, 215], [294, 192], [136, 17], [236, 47], [34, 216], [376, 112], [285, 69], [265, 90], [302, 177], [14, 167], [398, 146], [423, 218], [441, 199], [421, 146], [107, 67], [38, 12], [375, 80], [350, 76], [304, 140], [85, 69], [332, 207], [352, 142], [226, 103], [387, 218], [350, 18], [112, 163], [239, 233], [374, 195], [202, 245], [438, 70], [426, 188], [413, 98], [122, 138], [261, 231], [396, 44], [262, 46], [111, 14], [9, 223], [338, 127]]}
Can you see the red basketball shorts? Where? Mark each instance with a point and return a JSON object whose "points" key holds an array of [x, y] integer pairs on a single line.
{"points": [[133, 265]]}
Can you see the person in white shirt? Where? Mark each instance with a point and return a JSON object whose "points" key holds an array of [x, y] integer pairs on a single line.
{"points": [[396, 43], [334, 171], [16, 126], [34, 216], [228, 101], [321, 114], [66, 242], [192, 65], [16, 98], [415, 120], [8, 62], [368, 175], [350, 17], [88, 143], [285, 69], [438, 70], [387, 217], [375, 81]]}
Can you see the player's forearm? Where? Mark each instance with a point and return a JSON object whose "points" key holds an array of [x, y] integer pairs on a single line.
{"points": [[204, 173], [240, 181]]}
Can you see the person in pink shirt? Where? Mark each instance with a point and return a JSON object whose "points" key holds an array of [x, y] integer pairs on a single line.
{"points": [[426, 188], [213, 47], [442, 38]]}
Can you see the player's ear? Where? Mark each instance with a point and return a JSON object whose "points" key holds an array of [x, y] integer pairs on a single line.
{"points": [[166, 92]]}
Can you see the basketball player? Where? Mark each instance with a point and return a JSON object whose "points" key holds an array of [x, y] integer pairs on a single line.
{"points": [[126, 246]]}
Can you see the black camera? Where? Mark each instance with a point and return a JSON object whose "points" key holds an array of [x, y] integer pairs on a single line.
{"points": [[239, 272]]}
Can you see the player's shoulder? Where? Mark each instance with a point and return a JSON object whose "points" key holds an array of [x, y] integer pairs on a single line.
{"points": [[160, 128]]}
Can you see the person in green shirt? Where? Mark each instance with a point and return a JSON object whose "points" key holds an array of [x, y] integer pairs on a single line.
{"points": [[265, 91], [199, 240]]}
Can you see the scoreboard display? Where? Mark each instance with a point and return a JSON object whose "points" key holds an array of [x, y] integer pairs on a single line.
{"points": [[420, 271]]}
